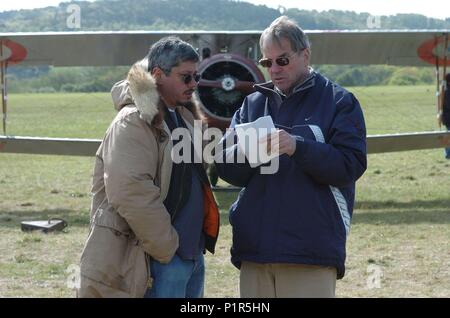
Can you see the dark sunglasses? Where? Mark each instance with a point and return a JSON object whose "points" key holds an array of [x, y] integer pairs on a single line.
{"points": [[281, 61], [187, 78]]}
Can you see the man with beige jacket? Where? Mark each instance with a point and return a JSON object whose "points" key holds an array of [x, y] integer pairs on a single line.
{"points": [[152, 217]]}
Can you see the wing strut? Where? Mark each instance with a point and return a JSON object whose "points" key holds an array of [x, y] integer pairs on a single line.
{"points": [[438, 94], [444, 73], [3, 67], [441, 90]]}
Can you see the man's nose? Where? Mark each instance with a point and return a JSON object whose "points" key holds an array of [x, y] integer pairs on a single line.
{"points": [[275, 68], [192, 84]]}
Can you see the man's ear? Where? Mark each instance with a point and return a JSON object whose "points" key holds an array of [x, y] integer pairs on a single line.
{"points": [[307, 55], [157, 73]]}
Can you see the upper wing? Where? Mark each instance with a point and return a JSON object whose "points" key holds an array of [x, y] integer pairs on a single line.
{"points": [[124, 48], [112, 48], [415, 48]]}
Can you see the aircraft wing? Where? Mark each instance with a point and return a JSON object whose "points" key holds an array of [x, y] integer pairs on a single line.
{"points": [[415, 48], [116, 48]]}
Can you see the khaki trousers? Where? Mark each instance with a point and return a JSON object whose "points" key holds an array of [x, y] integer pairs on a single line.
{"points": [[286, 281]]}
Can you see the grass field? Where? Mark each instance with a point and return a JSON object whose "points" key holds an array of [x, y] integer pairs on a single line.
{"points": [[400, 229]]}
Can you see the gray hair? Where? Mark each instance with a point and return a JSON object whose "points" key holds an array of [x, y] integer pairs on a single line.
{"points": [[170, 52], [283, 27]]}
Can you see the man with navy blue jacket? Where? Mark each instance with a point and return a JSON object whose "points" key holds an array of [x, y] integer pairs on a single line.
{"points": [[290, 227]]}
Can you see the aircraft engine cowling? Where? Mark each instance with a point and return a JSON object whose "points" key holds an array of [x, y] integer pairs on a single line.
{"points": [[226, 79]]}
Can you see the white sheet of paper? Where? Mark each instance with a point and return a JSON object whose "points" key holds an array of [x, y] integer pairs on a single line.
{"points": [[249, 135]]}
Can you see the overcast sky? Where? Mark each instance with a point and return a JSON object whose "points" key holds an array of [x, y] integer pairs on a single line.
{"points": [[431, 8]]}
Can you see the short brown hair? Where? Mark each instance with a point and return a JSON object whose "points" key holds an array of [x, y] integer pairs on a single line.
{"points": [[283, 27]]}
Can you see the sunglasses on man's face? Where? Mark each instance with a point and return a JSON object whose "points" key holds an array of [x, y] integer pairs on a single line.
{"points": [[281, 61], [187, 78]]}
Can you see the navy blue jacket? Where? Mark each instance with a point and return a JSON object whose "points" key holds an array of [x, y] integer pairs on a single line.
{"points": [[300, 214]]}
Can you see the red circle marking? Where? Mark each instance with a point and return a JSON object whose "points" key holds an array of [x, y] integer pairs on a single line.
{"points": [[425, 51], [18, 52]]}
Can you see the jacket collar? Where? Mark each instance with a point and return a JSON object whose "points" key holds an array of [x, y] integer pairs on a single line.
{"points": [[140, 89], [144, 91], [269, 88]]}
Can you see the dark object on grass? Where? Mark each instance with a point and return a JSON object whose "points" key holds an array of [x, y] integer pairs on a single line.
{"points": [[53, 224]]}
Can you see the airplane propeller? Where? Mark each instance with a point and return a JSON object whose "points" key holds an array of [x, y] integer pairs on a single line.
{"points": [[228, 84]]}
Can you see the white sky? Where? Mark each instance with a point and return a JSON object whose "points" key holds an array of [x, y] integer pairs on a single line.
{"points": [[431, 8], [7, 5]]}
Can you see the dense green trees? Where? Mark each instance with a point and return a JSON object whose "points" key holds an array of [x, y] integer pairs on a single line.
{"points": [[195, 14], [68, 79]]}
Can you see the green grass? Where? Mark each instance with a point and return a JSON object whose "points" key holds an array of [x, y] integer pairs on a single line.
{"points": [[394, 109], [76, 115], [401, 220]]}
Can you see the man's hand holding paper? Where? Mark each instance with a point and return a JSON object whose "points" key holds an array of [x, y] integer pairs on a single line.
{"points": [[279, 142], [260, 141]]}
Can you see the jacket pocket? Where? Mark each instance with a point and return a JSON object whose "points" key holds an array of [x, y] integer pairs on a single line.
{"points": [[246, 218], [233, 208], [113, 257], [107, 217]]}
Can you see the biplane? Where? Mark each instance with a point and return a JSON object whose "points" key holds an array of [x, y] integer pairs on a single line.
{"points": [[228, 70]]}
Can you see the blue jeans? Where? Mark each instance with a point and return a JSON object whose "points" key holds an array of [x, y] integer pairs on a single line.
{"points": [[177, 279]]}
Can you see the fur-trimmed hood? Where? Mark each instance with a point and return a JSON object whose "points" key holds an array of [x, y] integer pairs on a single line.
{"points": [[139, 89]]}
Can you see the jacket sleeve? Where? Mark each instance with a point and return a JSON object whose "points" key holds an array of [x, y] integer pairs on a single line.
{"points": [[130, 163], [342, 158], [231, 164]]}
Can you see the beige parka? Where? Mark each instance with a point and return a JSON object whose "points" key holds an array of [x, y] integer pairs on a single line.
{"points": [[129, 221]]}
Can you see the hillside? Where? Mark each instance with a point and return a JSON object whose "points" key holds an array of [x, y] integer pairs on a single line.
{"points": [[194, 15]]}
